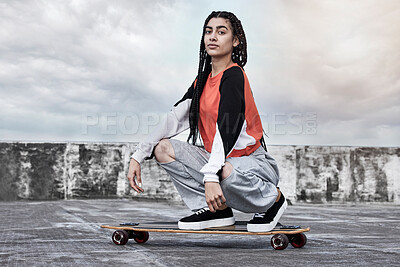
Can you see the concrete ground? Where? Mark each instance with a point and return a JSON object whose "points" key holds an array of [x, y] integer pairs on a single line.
{"points": [[68, 233]]}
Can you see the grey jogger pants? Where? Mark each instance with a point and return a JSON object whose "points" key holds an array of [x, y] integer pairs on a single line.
{"points": [[251, 187]]}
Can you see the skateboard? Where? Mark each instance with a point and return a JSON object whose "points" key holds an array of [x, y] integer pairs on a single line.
{"points": [[282, 235]]}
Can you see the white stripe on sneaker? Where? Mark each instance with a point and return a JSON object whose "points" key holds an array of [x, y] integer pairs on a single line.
{"points": [[206, 224]]}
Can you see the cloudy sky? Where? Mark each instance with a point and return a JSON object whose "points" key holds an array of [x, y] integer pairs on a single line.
{"points": [[322, 72]]}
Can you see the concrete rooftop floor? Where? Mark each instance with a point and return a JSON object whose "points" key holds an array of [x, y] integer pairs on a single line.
{"points": [[68, 233]]}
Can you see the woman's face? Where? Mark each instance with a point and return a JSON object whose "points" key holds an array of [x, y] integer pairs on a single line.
{"points": [[218, 38]]}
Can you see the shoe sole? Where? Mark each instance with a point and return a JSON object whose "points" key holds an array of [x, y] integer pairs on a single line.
{"points": [[206, 224], [268, 226]]}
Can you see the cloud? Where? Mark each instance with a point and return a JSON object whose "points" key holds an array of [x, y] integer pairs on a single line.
{"points": [[71, 58], [61, 62], [340, 61]]}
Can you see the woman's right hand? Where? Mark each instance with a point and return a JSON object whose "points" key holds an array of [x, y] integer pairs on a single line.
{"points": [[134, 172]]}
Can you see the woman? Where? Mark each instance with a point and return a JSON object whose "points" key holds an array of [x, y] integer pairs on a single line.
{"points": [[234, 169]]}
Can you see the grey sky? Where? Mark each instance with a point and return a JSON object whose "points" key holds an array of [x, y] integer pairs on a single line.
{"points": [[322, 72]]}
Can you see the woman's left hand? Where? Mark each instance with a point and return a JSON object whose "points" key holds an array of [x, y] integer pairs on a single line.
{"points": [[214, 197]]}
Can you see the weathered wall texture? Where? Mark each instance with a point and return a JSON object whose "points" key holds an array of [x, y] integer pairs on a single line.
{"points": [[98, 170]]}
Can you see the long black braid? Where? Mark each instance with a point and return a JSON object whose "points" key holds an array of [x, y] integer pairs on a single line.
{"points": [[239, 56]]}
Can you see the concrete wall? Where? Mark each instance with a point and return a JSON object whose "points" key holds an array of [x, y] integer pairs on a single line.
{"points": [[98, 170]]}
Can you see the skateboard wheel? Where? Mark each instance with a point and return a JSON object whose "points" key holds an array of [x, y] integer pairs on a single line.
{"points": [[141, 237], [120, 237], [279, 241], [298, 240]]}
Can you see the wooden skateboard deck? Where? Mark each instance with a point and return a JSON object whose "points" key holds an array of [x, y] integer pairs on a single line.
{"points": [[282, 235]]}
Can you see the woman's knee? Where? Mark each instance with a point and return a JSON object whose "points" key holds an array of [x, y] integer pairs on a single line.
{"points": [[164, 152], [226, 170]]}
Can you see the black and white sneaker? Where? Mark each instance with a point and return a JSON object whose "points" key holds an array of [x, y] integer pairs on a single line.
{"points": [[266, 221], [204, 218]]}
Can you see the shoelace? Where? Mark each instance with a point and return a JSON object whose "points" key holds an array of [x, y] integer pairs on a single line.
{"points": [[259, 215], [200, 211]]}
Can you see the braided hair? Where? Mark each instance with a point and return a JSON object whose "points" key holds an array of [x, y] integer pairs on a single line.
{"points": [[239, 56]]}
